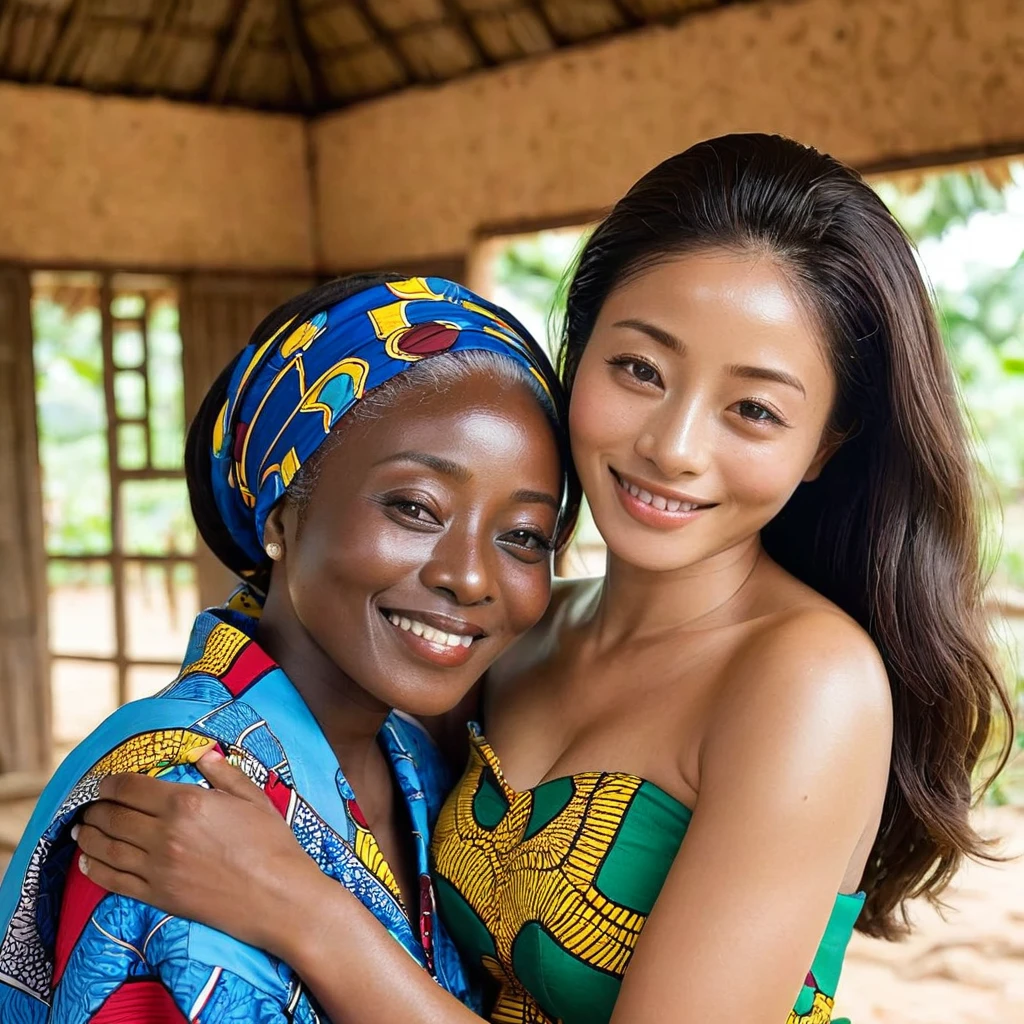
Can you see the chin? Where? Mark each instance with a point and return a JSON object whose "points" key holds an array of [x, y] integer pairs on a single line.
{"points": [[651, 557], [428, 701]]}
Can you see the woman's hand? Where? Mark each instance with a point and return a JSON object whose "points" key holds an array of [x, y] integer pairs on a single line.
{"points": [[223, 857], [226, 858]]}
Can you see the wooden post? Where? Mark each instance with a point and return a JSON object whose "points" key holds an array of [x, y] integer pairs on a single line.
{"points": [[25, 740], [218, 313]]}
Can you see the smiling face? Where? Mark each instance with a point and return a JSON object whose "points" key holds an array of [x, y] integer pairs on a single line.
{"points": [[424, 548], [699, 405]]}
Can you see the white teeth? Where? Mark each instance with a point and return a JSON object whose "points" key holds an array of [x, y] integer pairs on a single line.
{"points": [[656, 500], [435, 636]]}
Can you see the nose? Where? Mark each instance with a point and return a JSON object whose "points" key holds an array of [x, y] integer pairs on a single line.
{"points": [[676, 439], [462, 567]]}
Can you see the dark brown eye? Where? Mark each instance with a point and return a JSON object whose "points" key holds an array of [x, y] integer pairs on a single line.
{"points": [[644, 372], [637, 369], [756, 412]]}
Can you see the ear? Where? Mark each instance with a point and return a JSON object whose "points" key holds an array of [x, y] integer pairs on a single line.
{"points": [[274, 531], [831, 441]]}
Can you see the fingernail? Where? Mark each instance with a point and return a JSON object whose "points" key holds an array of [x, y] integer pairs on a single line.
{"points": [[74, 832], [83, 864], [212, 755]]}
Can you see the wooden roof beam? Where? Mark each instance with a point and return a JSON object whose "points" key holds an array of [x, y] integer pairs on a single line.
{"points": [[161, 21], [459, 17], [385, 39], [626, 12], [540, 10], [75, 20], [234, 50], [303, 57]]}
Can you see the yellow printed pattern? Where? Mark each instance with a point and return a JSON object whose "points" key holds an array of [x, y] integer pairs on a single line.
{"points": [[372, 858], [551, 875], [220, 650], [819, 1013], [151, 753]]}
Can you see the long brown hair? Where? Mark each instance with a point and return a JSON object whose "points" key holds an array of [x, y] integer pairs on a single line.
{"points": [[890, 531]]}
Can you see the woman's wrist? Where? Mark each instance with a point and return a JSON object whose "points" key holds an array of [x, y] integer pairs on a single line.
{"points": [[311, 905]]}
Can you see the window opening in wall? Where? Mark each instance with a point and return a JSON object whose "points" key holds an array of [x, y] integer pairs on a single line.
{"points": [[120, 541]]}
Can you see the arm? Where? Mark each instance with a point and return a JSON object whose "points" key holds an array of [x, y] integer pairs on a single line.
{"points": [[793, 773], [793, 766], [226, 858], [118, 958]]}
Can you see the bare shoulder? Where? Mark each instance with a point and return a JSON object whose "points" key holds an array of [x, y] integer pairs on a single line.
{"points": [[809, 670]]}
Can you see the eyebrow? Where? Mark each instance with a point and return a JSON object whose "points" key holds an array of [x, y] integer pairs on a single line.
{"points": [[537, 498], [441, 465], [767, 373], [658, 334]]}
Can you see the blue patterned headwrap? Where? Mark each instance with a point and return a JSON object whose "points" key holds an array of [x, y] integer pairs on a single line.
{"points": [[288, 392]]}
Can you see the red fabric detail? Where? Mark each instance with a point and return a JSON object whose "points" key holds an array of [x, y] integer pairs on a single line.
{"points": [[357, 815], [252, 663], [279, 792], [428, 339], [139, 1002], [81, 897], [427, 920], [241, 429]]}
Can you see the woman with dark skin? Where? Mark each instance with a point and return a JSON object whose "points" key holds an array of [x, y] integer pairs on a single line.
{"points": [[359, 465], [778, 693]]}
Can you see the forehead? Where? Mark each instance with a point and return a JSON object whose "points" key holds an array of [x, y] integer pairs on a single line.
{"points": [[471, 419], [727, 299]]}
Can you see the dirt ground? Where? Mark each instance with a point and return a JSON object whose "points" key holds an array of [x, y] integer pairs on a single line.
{"points": [[966, 969]]}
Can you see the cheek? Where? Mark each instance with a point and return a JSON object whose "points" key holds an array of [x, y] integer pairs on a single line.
{"points": [[764, 475], [599, 414], [526, 590], [339, 565]]}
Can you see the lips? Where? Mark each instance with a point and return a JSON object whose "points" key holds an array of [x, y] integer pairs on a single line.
{"points": [[662, 509], [439, 639]]}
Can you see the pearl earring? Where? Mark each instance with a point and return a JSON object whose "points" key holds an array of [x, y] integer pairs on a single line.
{"points": [[274, 550]]}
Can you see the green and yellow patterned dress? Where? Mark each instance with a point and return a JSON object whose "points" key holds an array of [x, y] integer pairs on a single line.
{"points": [[549, 888]]}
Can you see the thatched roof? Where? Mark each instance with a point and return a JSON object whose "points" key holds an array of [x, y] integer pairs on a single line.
{"points": [[300, 55]]}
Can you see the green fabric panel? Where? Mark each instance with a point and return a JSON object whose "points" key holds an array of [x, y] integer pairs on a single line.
{"points": [[461, 920], [549, 800], [489, 803], [647, 842], [565, 988], [828, 961]]}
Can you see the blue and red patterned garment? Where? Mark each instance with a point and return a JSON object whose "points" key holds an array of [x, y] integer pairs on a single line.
{"points": [[72, 953]]}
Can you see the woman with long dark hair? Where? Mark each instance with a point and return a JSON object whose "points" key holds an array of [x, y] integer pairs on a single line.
{"points": [[761, 728]]}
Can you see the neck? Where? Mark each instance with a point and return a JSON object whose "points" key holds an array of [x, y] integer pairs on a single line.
{"points": [[638, 604], [349, 717]]}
